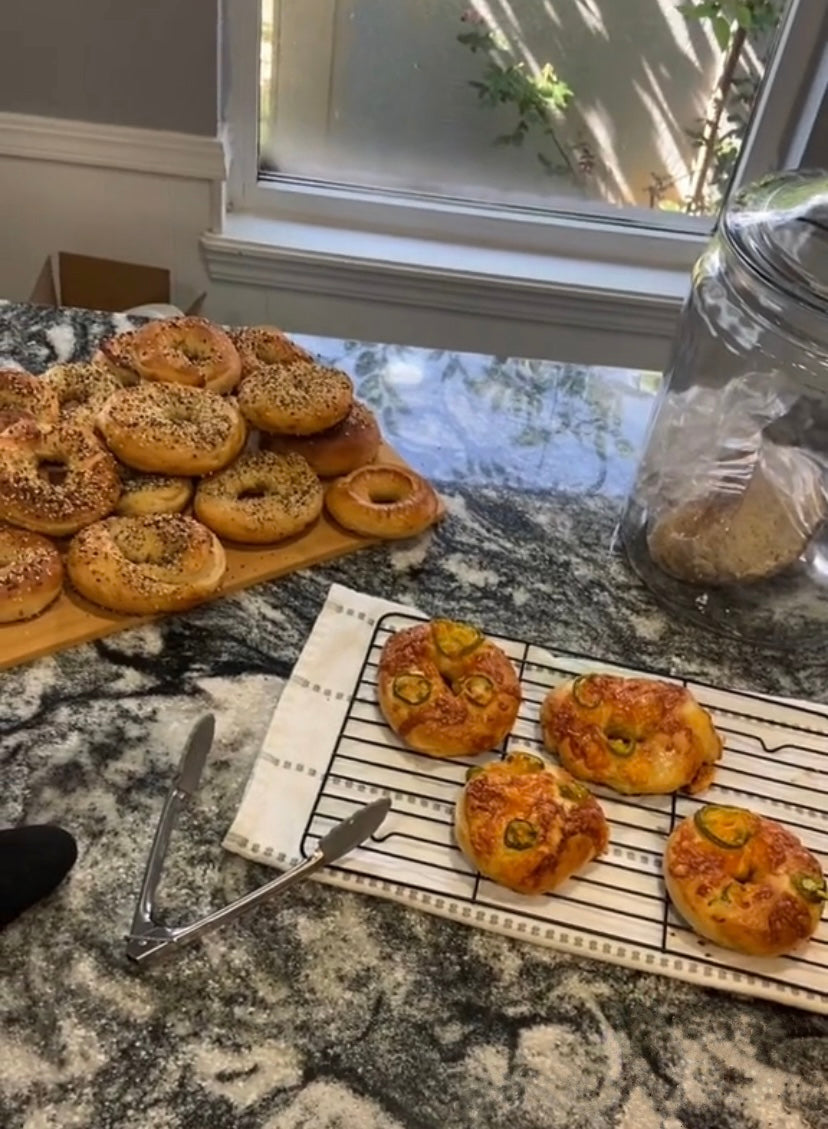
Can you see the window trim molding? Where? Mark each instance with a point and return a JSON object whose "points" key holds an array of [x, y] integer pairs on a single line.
{"points": [[33, 137], [240, 43], [581, 311], [790, 96], [597, 236]]}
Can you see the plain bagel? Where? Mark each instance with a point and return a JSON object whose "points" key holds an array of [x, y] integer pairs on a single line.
{"points": [[340, 449], [381, 500]]}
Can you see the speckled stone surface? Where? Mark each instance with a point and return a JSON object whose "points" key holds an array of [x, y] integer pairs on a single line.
{"points": [[328, 1009]]}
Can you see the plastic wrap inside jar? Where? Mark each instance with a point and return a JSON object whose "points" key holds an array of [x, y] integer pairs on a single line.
{"points": [[725, 504]]}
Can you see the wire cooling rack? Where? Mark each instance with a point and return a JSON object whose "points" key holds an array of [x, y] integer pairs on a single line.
{"points": [[775, 761]]}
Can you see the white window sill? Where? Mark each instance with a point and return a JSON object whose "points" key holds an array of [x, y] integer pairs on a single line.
{"points": [[603, 302]]}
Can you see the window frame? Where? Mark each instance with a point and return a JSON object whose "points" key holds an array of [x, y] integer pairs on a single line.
{"points": [[780, 129]]}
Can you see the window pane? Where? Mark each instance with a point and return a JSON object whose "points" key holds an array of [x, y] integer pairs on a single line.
{"points": [[539, 103]]}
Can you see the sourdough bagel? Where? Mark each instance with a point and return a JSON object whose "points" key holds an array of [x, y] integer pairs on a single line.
{"points": [[636, 735], [146, 565], [82, 487], [189, 351], [260, 498], [340, 449], [527, 824], [171, 429], [741, 537], [744, 881], [31, 574], [446, 690], [380, 500]]}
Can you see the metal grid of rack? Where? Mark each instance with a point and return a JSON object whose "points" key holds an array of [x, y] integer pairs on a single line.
{"points": [[775, 761]]}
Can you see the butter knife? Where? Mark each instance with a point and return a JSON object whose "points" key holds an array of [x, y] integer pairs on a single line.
{"points": [[147, 939]]}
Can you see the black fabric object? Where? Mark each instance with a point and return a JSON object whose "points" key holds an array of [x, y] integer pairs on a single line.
{"points": [[33, 862]]}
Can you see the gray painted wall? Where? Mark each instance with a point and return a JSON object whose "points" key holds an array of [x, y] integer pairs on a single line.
{"points": [[148, 63]]}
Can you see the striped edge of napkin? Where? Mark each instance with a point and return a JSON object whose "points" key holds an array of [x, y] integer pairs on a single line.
{"points": [[284, 780]]}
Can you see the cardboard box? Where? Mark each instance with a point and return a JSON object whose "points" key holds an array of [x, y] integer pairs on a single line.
{"points": [[67, 279]]}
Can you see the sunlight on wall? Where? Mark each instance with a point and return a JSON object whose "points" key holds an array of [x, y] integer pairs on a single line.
{"points": [[615, 186], [551, 14], [593, 18]]}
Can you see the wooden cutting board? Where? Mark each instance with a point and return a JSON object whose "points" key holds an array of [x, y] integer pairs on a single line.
{"points": [[71, 619]]}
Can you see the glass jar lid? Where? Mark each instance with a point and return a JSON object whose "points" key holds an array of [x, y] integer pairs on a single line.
{"points": [[778, 226]]}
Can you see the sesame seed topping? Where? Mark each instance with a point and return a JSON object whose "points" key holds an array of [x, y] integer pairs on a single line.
{"points": [[86, 489], [297, 398]]}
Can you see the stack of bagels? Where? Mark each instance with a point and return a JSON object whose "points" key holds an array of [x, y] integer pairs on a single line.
{"points": [[174, 437]]}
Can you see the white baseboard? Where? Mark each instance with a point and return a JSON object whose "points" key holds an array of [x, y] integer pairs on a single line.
{"points": [[114, 147]]}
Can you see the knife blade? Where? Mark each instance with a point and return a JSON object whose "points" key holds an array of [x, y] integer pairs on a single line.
{"points": [[354, 830], [195, 754]]}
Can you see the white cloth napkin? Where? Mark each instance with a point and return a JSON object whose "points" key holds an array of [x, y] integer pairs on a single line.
{"points": [[284, 781], [328, 750]]}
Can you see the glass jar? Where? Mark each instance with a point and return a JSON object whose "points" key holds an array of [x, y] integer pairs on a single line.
{"points": [[726, 522]]}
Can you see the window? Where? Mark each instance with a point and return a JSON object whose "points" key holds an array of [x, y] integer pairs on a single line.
{"points": [[553, 163], [643, 103], [589, 108]]}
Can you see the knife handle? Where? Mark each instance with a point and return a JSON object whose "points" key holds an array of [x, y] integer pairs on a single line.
{"points": [[247, 901], [155, 860]]}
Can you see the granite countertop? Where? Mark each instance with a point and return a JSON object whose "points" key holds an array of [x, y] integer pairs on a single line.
{"points": [[329, 1009]]}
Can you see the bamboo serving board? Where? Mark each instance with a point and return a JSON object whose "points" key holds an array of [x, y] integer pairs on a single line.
{"points": [[71, 619]]}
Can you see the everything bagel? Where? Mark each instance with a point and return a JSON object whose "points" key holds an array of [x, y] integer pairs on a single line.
{"points": [[85, 487], [146, 565], [260, 498], [171, 429]]}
